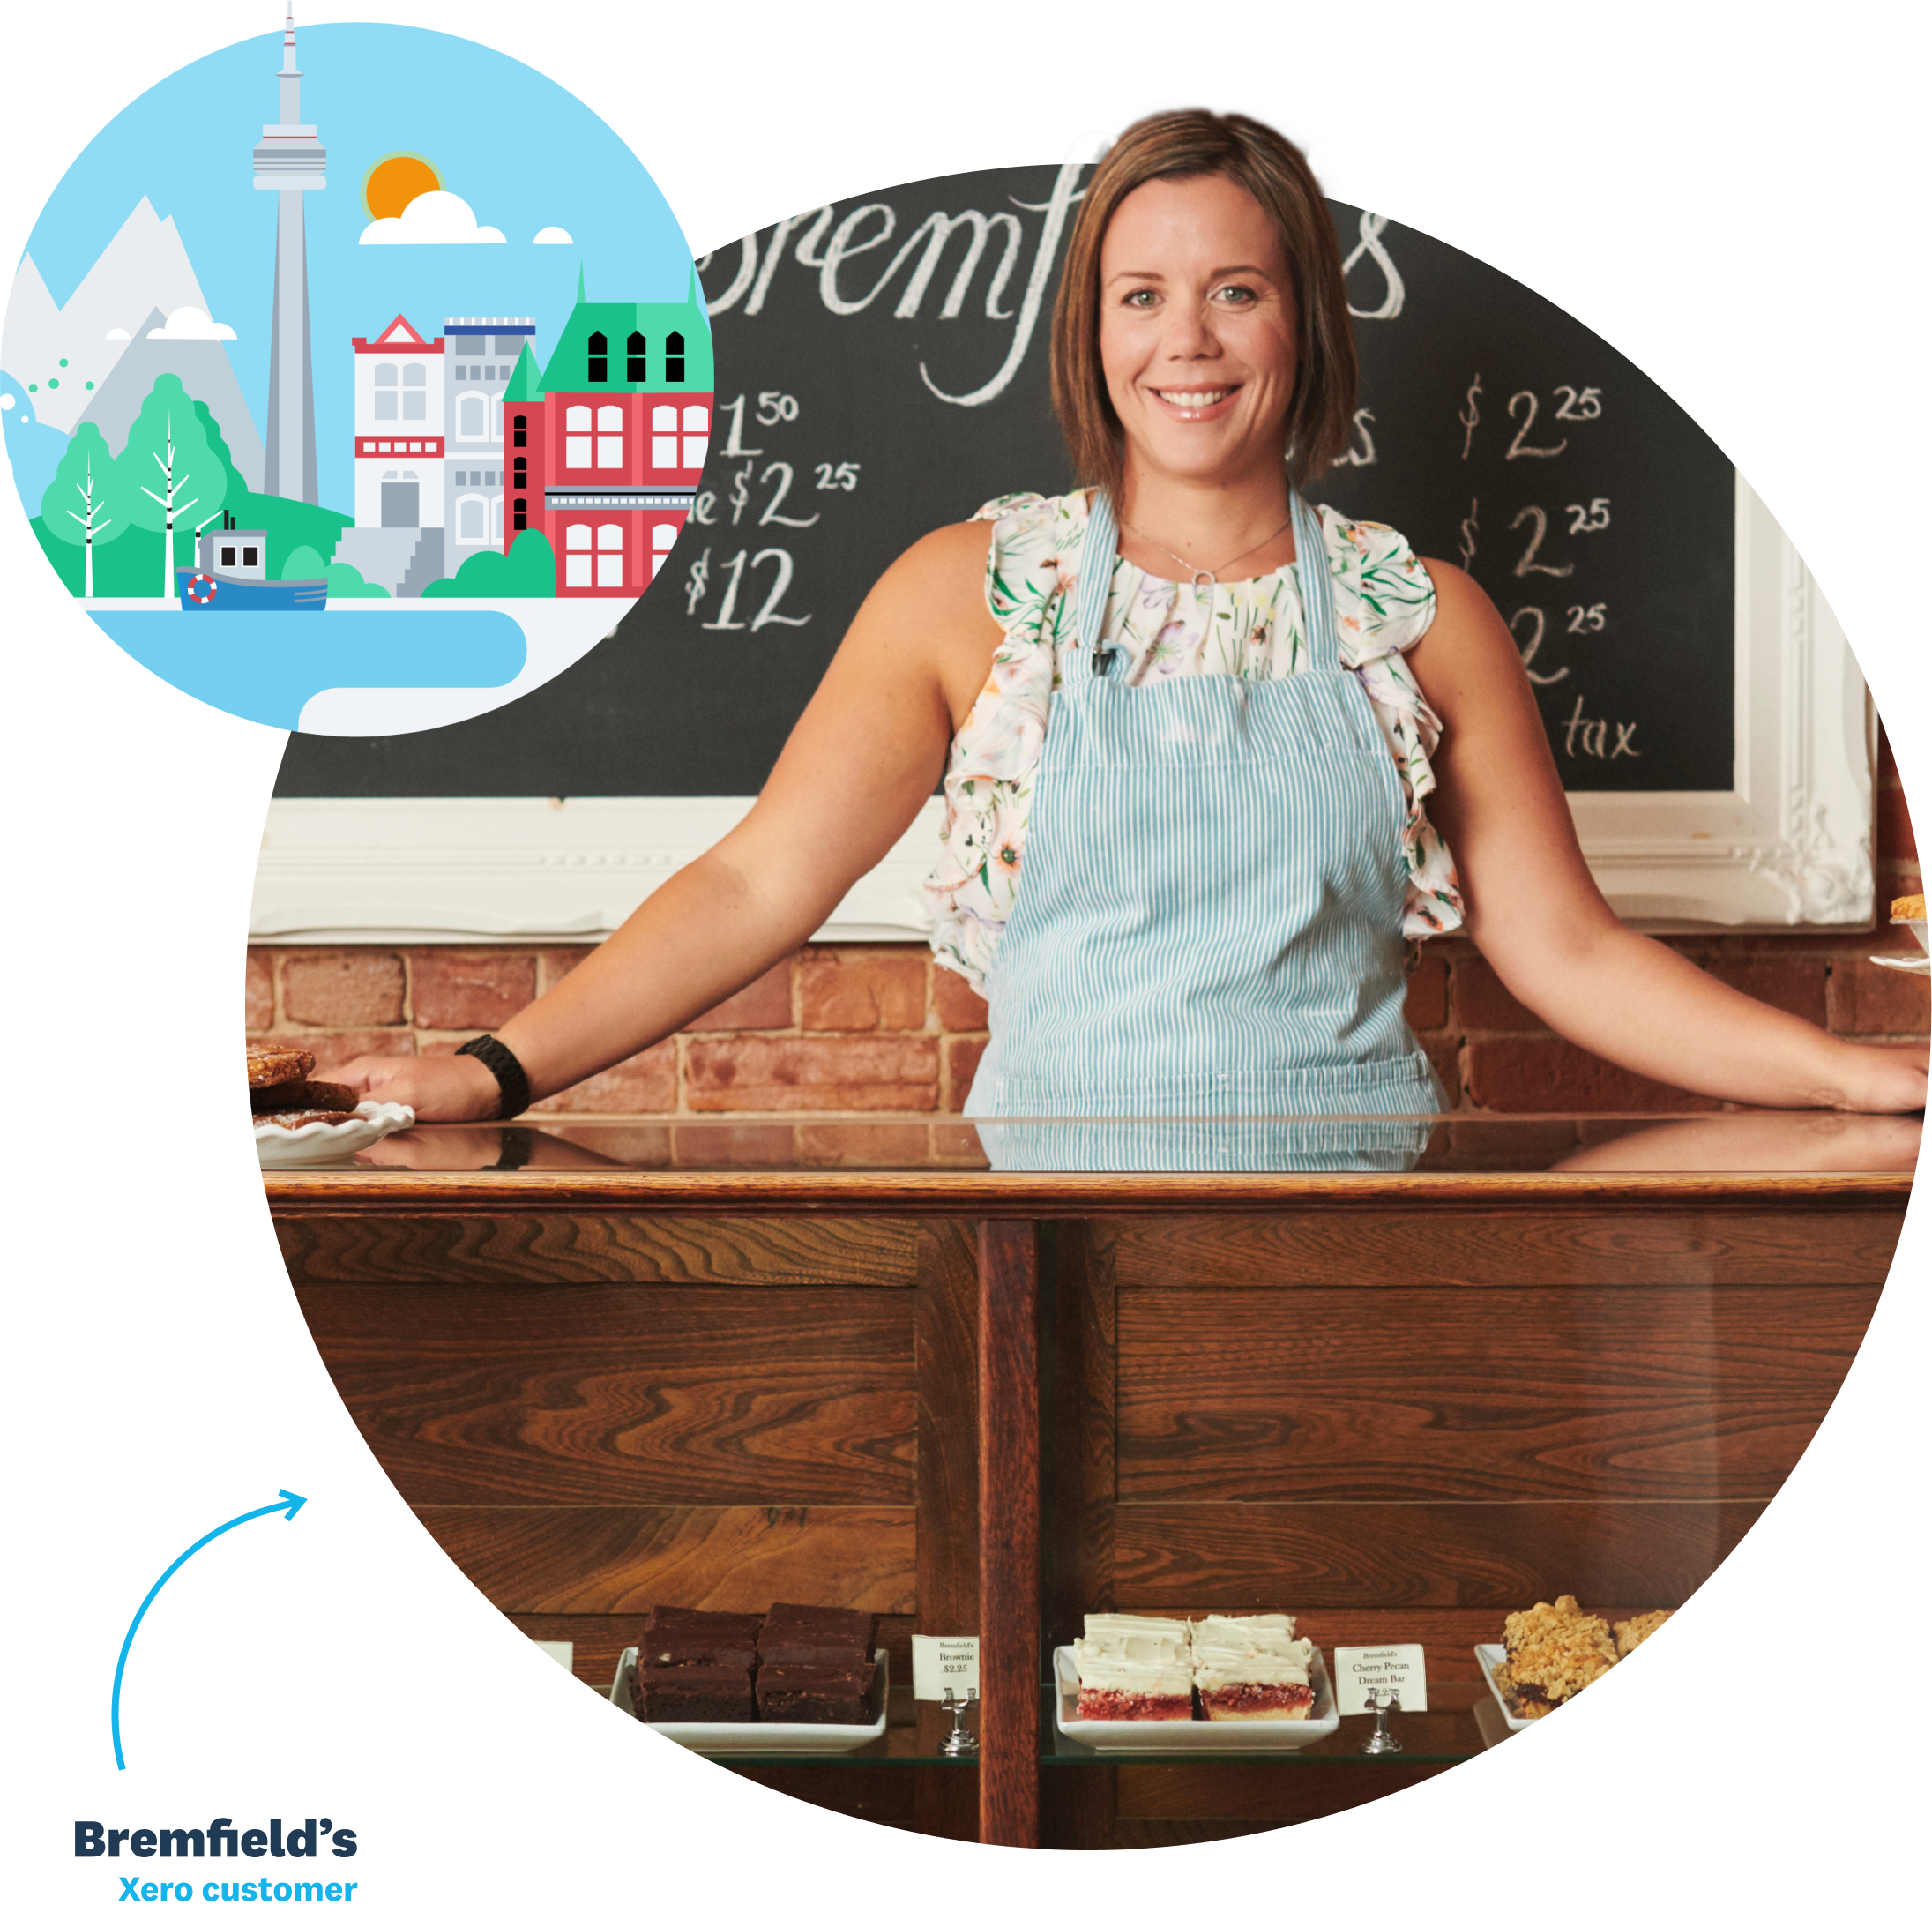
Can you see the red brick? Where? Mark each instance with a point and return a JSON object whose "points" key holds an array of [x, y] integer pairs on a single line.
{"points": [[956, 1144], [867, 989], [1545, 1074], [1482, 1003], [734, 1145], [260, 989], [1897, 841], [1865, 1000], [553, 965], [958, 1005], [1794, 984], [791, 1071], [1443, 1049], [1427, 1006], [963, 1053], [1888, 764], [338, 987], [1511, 1144], [861, 991], [645, 1085], [766, 1004], [332, 1051], [863, 1144], [453, 989], [638, 1145]]}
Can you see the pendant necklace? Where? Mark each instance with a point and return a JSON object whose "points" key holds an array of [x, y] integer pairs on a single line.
{"points": [[1200, 577]]}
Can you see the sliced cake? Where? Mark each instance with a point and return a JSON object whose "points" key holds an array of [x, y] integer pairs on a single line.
{"points": [[1135, 1669]]}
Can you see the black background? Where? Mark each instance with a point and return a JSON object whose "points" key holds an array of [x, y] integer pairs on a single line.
{"points": [[163, 1374], [668, 708]]}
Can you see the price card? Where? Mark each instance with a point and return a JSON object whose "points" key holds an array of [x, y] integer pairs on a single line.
{"points": [[1356, 1672], [939, 1663]]}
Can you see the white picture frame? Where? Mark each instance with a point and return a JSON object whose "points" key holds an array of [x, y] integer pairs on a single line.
{"points": [[1789, 847]]}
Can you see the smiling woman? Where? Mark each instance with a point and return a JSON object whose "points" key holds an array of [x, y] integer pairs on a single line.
{"points": [[1205, 750]]}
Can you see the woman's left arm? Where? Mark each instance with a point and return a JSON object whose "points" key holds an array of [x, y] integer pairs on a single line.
{"points": [[1533, 908]]}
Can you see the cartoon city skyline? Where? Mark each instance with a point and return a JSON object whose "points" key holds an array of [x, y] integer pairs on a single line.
{"points": [[136, 448]]}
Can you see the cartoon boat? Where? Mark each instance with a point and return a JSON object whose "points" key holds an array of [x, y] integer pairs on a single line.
{"points": [[231, 574]]}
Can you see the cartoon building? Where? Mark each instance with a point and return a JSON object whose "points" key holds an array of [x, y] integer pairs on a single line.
{"points": [[400, 444], [479, 355], [607, 443]]}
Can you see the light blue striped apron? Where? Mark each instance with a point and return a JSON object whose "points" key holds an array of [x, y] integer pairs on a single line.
{"points": [[1208, 922]]}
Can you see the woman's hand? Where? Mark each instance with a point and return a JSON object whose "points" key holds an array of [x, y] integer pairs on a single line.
{"points": [[439, 1089]]}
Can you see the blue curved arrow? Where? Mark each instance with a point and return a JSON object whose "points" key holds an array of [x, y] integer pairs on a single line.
{"points": [[287, 1505]]}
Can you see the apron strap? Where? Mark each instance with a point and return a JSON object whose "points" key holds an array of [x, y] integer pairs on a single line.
{"points": [[1318, 592], [1102, 539], [1096, 578]]}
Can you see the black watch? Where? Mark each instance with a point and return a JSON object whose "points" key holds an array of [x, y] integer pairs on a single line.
{"points": [[512, 1084]]}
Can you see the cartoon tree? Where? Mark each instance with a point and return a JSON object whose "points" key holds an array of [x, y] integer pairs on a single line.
{"points": [[528, 569], [169, 467], [85, 478]]}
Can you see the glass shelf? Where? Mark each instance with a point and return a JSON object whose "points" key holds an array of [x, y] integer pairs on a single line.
{"points": [[1453, 1730]]}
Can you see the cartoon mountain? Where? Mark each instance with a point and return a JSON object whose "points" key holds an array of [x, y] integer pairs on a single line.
{"points": [[202, 366], [144, 267]]}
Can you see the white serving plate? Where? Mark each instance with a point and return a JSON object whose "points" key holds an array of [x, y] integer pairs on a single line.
{"points": [[1181, 1737], [1913, 966], [723, 1736], [325, 1141], [1489, 1658]]}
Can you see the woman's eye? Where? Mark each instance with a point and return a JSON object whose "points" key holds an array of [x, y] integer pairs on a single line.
{"points": [[1236, 294], [1140, 299]]}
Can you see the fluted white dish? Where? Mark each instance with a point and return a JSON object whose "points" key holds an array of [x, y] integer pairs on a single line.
{"points": [[323, 1141]]}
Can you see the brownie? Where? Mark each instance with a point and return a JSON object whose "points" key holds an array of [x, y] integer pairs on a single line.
{"points": [[299, 1094], [303, 1118], [818, 1635], [667, 1694], [269, 1062], [689, 1636], [814, 1695]]}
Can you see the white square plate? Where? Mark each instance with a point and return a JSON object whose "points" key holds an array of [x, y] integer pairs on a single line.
{"points": [[1190, 1736], [732, 1735], [1489, 1658]]}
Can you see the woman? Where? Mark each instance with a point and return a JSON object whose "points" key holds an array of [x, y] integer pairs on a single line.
{"points": [[1201, 718]]}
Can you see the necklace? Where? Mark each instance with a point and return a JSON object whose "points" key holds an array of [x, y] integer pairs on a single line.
{"points": [[1200, 577]]}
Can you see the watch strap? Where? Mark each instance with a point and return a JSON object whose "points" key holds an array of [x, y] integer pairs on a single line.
{"points": [[512, 1084]]}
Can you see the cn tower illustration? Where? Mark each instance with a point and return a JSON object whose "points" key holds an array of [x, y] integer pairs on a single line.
{"points": [[289, 162]]}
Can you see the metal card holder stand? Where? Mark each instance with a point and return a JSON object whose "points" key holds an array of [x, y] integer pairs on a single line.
{"points": [[1381, 1740], [958, 1742]]}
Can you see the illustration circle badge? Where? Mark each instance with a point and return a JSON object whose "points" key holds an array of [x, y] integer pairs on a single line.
{"points": [[357, 381]]}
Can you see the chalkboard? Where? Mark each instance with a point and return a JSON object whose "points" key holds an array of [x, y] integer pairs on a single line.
{"points": [[882, 369]]}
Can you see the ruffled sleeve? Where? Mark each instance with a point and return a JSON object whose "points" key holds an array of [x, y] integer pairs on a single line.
{"points": [[1383, 603], [989, 783]]}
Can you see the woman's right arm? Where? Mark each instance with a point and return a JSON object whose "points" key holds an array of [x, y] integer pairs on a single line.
{"points": [[868, 752]]}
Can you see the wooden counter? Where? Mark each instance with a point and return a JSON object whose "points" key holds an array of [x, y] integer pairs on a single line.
{"points": [[1399, 1405]]}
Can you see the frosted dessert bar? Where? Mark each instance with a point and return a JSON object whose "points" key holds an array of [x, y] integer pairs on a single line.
{"points": [[1135, 1669], [1253, 1668]]}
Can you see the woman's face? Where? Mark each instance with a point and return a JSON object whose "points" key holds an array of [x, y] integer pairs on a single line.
{"points": [[1198, 329]]}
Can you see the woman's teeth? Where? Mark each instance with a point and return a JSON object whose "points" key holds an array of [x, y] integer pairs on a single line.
{"points": [[1195, 401]]}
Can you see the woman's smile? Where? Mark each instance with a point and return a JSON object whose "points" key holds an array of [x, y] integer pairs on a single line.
{"points": [[1198, 330]]}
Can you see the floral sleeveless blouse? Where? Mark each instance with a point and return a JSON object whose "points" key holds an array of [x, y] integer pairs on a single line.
{"points": [[1383, 603]]}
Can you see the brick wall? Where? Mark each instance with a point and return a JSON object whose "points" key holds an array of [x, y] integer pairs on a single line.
{"points": [[855, 1028]]}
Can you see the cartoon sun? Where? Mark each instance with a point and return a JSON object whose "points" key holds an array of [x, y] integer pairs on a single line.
{"points": [[392, 182]]}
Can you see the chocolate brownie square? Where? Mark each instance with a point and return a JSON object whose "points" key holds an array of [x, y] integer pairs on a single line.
{"points": [[690, 1636], [818, 1635], [665, 1694], [814, 1695]]}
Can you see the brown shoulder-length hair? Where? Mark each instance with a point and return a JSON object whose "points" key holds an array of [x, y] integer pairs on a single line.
{"points": [[1186, 145]]}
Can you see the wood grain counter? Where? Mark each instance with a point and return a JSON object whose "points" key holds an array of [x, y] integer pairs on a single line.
{"points": [[1399, 1405]]}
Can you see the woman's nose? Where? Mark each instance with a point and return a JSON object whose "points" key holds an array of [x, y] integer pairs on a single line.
{"points": [[1188, 334]]}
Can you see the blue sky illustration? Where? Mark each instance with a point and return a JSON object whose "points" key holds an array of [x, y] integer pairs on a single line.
{"points": [[524, 154]]}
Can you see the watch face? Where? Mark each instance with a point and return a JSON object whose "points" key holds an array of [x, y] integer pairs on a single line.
{"points": [[357, 379]]}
